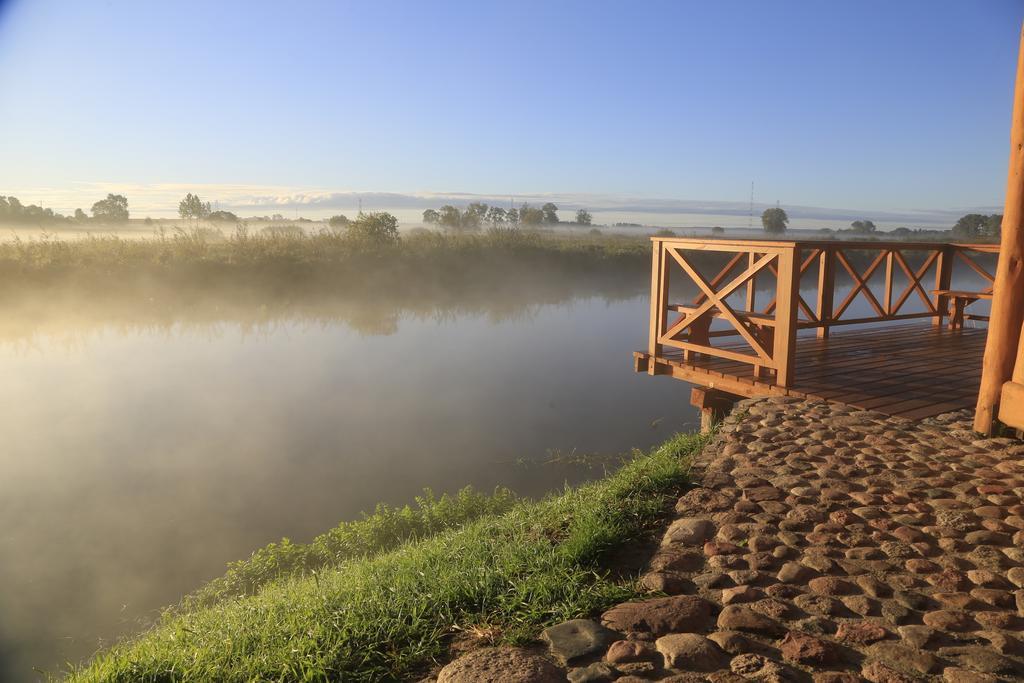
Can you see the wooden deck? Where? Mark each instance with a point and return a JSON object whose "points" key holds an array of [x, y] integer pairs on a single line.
{"points": [[912, 370], [845, 321]]}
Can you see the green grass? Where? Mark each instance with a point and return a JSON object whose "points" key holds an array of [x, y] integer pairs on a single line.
{"points": [[389, 615], [382, 530]]}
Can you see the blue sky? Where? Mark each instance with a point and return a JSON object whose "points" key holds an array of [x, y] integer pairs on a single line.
{"points": [[859, 105]]}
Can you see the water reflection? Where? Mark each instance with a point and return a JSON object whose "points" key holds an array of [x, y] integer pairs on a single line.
{"points": [[147, 445]]}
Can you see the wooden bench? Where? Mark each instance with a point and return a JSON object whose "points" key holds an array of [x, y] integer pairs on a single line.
{"points": [[960, 299]]}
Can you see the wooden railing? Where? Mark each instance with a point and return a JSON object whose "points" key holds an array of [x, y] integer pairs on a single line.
{"points": [[891, 277]]}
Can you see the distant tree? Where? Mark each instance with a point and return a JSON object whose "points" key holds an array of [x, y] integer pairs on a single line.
{"points": [[664, 232], [583, 217], [530, 215], [223, 216], [473, 216], [192, 207], [113, 209], [339, 221], [595, 232], [994, 225], [79, 214], [478, 209], [450, 217], [774, 220], [863, 227], [550, 213], [970, 226], [496, 216], [513, 216], [901, 232], [431, 217], [717, 230], [378, 228]]}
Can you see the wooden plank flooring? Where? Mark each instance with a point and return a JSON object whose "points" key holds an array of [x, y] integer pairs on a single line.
{"points": [[911, 370]]}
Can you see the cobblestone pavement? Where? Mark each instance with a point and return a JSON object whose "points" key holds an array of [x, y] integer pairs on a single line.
{"points": [[822, 544]]}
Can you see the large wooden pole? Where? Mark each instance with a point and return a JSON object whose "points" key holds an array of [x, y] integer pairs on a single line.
{"points": [[1008, 300]]}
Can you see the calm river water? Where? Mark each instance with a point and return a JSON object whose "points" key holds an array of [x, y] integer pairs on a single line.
{"points": [[138, 459]]}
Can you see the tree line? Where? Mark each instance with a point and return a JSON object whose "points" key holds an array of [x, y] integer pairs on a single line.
{"points": [[477, 214], [113, 209], [970, 226]]}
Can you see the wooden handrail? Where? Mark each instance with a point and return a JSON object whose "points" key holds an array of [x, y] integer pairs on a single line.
{"points": [[848, 244]]}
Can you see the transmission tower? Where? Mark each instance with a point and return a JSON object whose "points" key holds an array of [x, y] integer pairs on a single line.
{"points": [[750, 216]]}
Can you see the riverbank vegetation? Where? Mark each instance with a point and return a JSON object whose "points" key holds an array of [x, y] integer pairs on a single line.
{"points": [[367, 258], [389, 610], [54, 286]]}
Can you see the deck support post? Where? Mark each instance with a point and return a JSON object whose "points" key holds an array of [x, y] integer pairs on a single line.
{"points": [[713, 405], [1004, 328]]}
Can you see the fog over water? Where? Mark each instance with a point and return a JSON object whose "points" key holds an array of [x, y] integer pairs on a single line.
{"points": [[140, 458]]}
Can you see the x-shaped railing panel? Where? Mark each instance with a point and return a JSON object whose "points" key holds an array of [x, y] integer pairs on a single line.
{"points": [[716, 300], [914, 281], [860, 284]]}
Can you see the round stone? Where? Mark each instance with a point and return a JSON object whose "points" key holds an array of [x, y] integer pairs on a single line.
{"points": [[689, 531], [577, 638], [803, 648], [860, 632], [659, 616], [629, 651], [501, 665], [692, 652], [948, 620]]}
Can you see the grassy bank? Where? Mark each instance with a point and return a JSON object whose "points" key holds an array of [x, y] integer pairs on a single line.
{"points": [[386, 606]]}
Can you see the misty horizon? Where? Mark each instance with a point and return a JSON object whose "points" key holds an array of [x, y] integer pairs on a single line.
{"points": [[160, 201]]}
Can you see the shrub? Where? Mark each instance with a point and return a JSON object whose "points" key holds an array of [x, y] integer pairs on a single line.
{"points": [[377, 228]]}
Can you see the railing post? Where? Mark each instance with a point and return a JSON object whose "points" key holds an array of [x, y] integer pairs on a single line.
{"points": [[787, 290], [826, 289], [659, 292], [943, 278], [889, 258]]}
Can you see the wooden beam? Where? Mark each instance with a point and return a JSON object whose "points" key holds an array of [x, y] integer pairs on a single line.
{"points": [[1002, 346]]}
